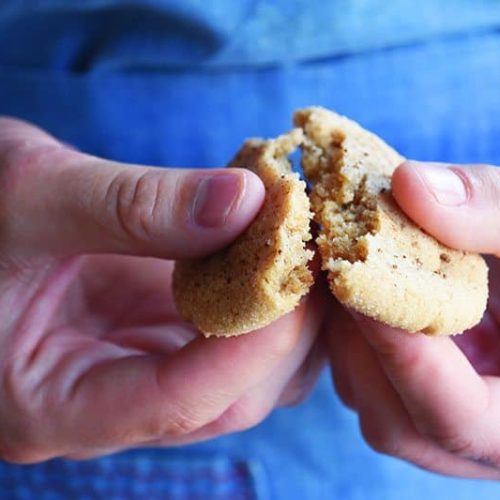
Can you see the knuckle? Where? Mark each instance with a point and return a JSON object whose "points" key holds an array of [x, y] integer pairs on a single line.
{"points": [[20, 443], [454, 443], [483, 182], [242, 415], [183, 426], [182, 423], [22, 454], [16, 158], [20, 156], [491, 459], [493, 186], [20, 446], [382, 439], [467, 448], [137, 204]]}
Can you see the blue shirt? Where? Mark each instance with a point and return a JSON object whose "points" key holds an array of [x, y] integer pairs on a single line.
{"points": [[138, 35], [182, 83]]}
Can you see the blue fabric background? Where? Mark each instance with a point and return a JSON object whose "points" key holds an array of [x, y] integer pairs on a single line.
{"points": [[436, 98], [110, 35]]}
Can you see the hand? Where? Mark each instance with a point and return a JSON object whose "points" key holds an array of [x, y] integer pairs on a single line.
{"points": [[434, 402], [93, 355]]}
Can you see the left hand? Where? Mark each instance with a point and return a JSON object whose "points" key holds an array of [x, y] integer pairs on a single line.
{"points": [[433, 401], [93, 355]]}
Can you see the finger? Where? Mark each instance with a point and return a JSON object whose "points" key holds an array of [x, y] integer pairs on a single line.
{"points": [[258, 401], [457, 204], [340, 332], [445, 397], [129, 399], [289, 379], [299, 385], [494, 284], [384, 421], [280, 387], [481, 345], [303, 381], [58, 200]]}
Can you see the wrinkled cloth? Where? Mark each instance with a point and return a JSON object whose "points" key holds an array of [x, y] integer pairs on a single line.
{"points": [[110, 35], [435, 96]]}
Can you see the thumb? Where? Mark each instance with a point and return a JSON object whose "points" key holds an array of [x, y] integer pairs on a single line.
{"points": [[57, 200], [458, 204]]}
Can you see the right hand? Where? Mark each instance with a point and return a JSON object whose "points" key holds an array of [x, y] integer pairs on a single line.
{"points": [[433, 401], [93, 355]]}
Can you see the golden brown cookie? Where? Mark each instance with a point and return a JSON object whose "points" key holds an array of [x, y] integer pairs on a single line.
{"points": [[378, 261], [264, 273]]}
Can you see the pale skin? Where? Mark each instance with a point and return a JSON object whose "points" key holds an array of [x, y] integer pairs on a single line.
{"points": [[421, 398], [94, 358]]}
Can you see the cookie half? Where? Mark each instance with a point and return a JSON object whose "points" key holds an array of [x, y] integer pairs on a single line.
{"points": [[378, 261], [264, 273]]}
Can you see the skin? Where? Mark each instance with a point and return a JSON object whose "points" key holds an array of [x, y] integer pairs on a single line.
{"points": [[93, 355], [434, 402], [94, 358]]}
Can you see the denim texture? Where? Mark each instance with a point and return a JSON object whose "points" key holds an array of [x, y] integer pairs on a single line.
{"points": [[437, 98]]}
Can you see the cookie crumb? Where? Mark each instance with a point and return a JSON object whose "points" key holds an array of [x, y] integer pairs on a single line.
{"points": [[444, 257]]}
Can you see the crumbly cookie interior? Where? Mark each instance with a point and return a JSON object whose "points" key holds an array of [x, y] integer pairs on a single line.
{"points": [[343, 198]]}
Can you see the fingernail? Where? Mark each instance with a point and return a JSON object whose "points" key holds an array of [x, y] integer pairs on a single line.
{"points": [[215, 198], [445, 183]]}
